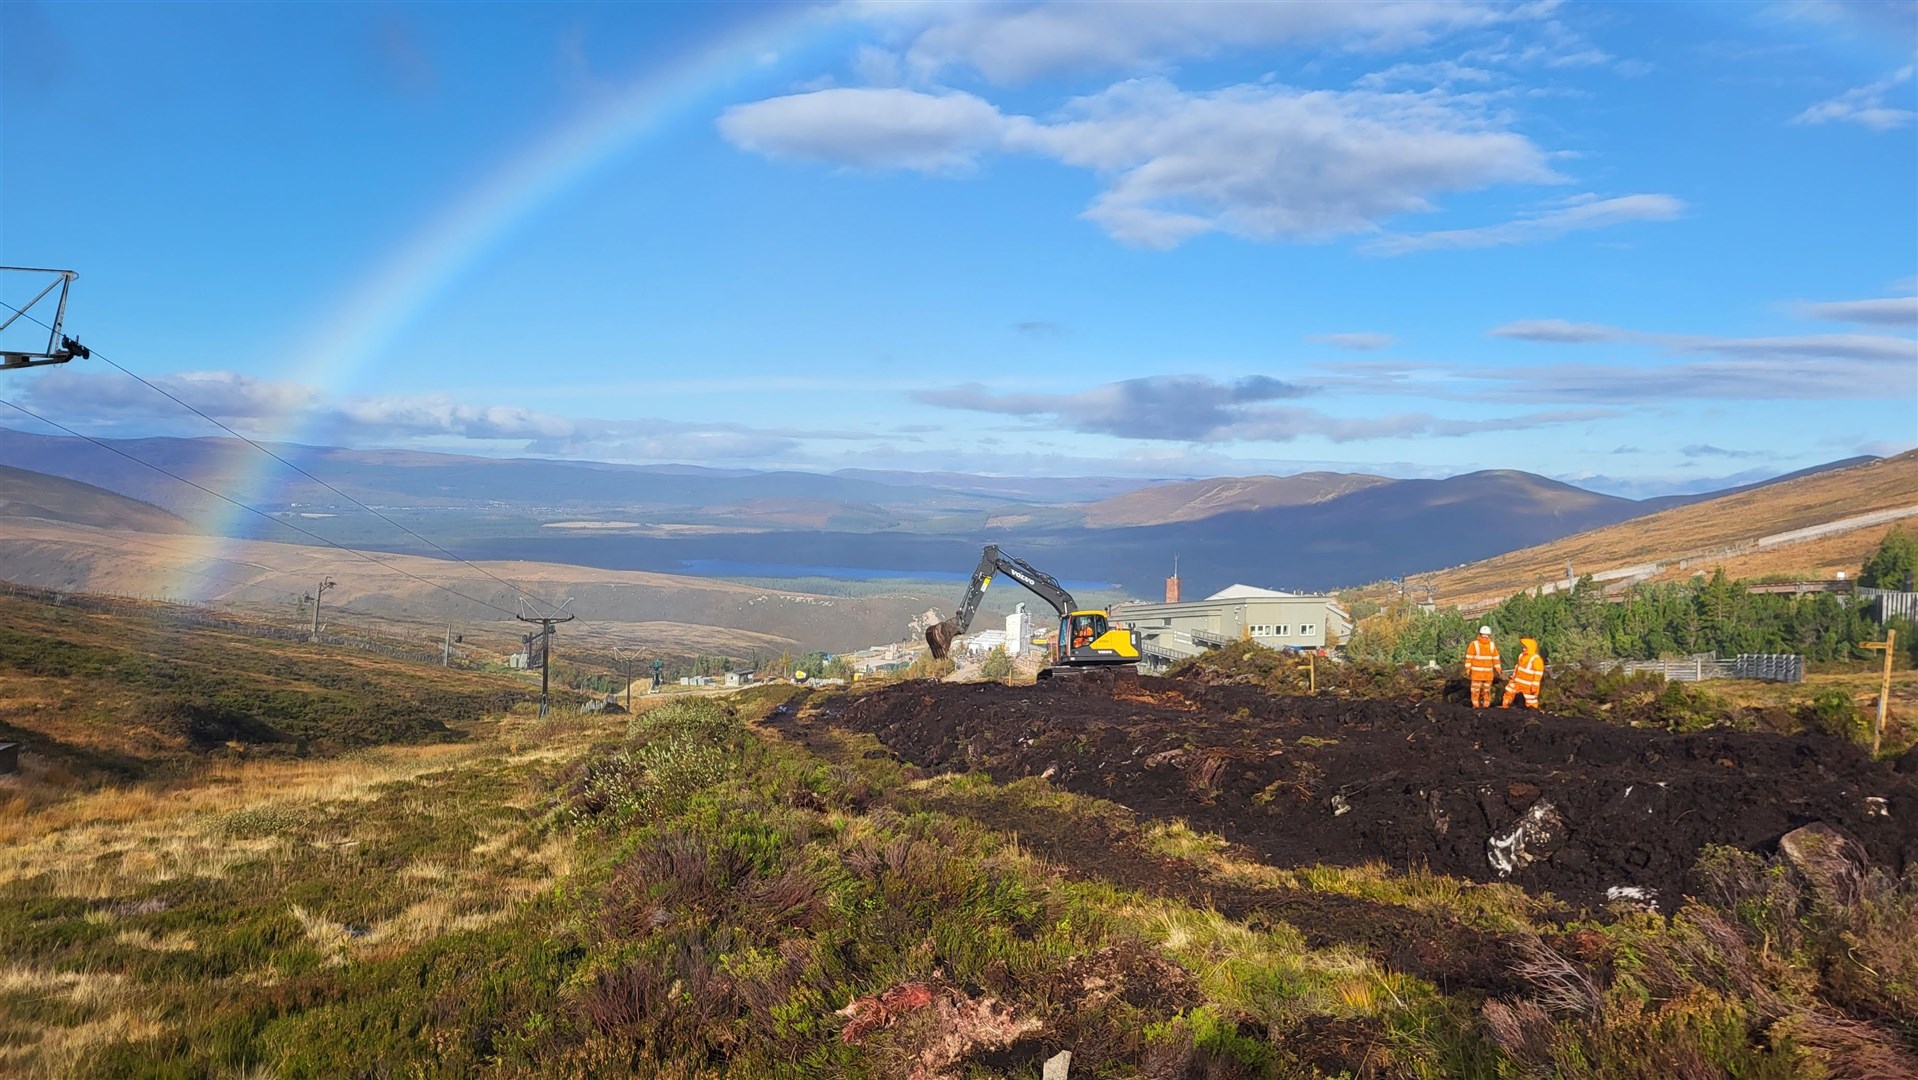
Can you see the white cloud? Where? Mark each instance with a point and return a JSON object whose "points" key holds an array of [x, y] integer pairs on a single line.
{"points": [[1807, 366], [1196, 409], [1878, 20], [1263, 162], [1764, 378], [1156, 460], [225, 394], [1883, 311], [1888, 447], [1552, 45], [1556, 330], [1870, 348], [1588, 212], [1179, 407], [1863, 347], [1017, 42], [1362, 341], [1274, 163], [1698, 450], [870, 128], [265, 409], [1444, 73], [1863, 105], [407, 416]]}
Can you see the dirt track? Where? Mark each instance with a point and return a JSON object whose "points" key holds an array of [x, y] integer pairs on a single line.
{"points": [[1572, 807]]}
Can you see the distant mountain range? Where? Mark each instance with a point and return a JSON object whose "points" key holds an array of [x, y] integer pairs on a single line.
{"points": [[1310, 531]]}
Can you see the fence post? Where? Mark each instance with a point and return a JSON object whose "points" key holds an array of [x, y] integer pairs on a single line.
{"points": [[1884, 689]]}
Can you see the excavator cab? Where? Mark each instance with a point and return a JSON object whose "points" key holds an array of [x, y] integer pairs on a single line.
{"points": [[1088, 637], [1081, 628]]}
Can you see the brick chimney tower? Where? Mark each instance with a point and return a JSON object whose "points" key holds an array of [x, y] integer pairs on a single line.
{"points": [[1172, 583]]}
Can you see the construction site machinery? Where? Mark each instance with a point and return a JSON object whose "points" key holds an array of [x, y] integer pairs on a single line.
{"points": [[1086, 640]]}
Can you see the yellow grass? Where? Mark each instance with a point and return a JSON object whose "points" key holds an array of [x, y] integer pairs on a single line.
{"points": [[118, 840], [58, 1051]]}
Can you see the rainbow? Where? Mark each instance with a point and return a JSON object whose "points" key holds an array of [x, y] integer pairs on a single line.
{"points": [[427, 263]]}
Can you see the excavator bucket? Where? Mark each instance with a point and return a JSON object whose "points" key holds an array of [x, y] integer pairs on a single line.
{"points": [[939, 637]]}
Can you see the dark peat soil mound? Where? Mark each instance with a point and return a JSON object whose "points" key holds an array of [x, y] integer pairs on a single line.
{"points": [[1586, 810]]}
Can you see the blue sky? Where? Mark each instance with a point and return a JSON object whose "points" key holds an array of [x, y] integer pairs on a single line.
{"points": [[1643, 247]]}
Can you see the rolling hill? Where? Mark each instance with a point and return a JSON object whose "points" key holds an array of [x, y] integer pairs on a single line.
{"points": [[1407, 526], [1813, 525], [665, 612], [27, 494], [1193, 500]]}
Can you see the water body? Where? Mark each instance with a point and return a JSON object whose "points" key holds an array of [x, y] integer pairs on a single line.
{"points": [[734, 568]]}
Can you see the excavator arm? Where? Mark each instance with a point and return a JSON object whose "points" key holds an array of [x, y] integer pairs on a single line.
{"points": [[1043, 585]]}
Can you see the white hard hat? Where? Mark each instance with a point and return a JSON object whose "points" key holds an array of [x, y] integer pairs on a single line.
{"points": [[1486, 630]]}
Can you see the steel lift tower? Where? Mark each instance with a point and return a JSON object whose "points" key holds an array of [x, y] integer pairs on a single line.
{"points": [[60, 348], [545, 636]]}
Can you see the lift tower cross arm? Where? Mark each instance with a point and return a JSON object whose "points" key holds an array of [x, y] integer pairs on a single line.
{"points": [[60, 348]]}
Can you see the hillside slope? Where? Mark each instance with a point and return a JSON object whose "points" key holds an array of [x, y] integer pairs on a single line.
{"points": [[1192, 500], [708, 612], [137, 694], [1814, 525], [1408, 526], [28, 494]]}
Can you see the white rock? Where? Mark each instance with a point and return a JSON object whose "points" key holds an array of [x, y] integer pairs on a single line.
{"points": [[1521, 846]]}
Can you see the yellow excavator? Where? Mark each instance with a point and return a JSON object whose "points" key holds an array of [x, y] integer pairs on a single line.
{"points": [[1087, 640]]}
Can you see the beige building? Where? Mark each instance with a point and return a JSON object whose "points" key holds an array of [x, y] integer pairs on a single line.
{"points": [[1173, 631]]}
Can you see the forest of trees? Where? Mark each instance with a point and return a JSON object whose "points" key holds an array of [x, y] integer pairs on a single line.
{"points": [[1716, 615]]}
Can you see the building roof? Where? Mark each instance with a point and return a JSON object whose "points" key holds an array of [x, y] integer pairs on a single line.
{"points": [[1246, 592]]}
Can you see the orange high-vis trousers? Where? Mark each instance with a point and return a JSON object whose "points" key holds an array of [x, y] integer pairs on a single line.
{"points": [[1528, 677], [1481, 693]]}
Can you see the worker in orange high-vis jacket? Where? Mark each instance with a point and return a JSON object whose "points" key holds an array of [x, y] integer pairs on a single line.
{"points": [[1527, 676], [1482, 666]]}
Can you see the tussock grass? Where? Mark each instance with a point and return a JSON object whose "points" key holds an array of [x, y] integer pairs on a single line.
{"points": [[680, 894], [134, 906]]}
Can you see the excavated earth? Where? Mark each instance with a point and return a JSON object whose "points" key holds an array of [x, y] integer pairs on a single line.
{"points": [[1585, 810]]}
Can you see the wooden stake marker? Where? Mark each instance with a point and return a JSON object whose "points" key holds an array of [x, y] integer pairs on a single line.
{"points": [[1884, 689]]}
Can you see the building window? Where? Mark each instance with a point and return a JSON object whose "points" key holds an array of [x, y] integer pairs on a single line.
{"points": [[1281, 630], [1305, 629]]}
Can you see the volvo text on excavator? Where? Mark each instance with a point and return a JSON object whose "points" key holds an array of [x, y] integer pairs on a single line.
{"points": [[1086, 638]]}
